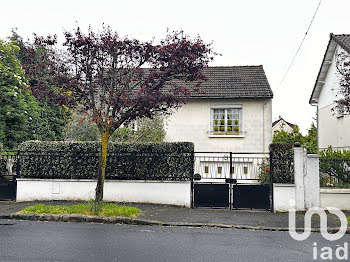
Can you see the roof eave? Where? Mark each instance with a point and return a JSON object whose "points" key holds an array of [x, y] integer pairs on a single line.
{"points": [[326, 62], [230, 97]]}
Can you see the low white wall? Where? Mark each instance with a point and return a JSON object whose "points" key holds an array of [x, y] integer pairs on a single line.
{"points": [[339, 198], [282, 194], [140, 191]]}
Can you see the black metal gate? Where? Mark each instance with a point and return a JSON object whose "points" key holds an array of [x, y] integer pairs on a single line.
{"points": [[211, 195], [8, 187], [235, 181], [252, 196]]}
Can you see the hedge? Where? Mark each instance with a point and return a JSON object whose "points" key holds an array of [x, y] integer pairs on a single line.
{"points": [[282, 162], [80, 160]]}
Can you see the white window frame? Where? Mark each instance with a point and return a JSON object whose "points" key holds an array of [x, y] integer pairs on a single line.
{"points": [[225, 107]]}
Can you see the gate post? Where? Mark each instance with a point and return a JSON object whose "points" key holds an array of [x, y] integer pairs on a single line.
{"points": [[231, 165], [18, 165], [191, 178], [299, 173], [271, 181], [312, 181]]}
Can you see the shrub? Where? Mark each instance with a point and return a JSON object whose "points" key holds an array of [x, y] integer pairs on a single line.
{"points": [[335, 168], [282, 162], [236, 128], [264, 172], [229, 129], [79, 160]]}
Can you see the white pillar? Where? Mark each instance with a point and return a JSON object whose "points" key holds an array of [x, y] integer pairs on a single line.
{"points": [[312, 182], [299, 169]]}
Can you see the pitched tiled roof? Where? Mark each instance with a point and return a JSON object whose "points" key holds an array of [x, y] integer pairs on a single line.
{"points": [[343, 41], [235, 82], [281, 119]]}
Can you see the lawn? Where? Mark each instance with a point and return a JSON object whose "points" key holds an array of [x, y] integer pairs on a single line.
{"points": [[86, 209]]}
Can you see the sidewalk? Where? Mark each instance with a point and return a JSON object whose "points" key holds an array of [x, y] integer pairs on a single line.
{"points": [[176, 216]]}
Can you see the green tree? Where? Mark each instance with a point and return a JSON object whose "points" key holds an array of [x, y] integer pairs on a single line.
{"points": [[18, 109], [309, 141], [79, 129], [52, 118], [148, 130]]}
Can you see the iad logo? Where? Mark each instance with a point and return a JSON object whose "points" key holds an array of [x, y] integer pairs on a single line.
{"points": [[326, 253], [323, 223]]}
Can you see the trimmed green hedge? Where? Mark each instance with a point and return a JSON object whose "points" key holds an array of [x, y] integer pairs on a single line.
{"points": [[282, 162], [79, 160]]}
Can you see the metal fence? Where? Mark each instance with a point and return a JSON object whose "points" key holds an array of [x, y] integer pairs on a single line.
{"points": [[245, 167], [335, 173]]}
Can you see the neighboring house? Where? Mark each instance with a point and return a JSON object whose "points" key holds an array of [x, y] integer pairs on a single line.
{"points": [[282, 125], [333, 126], [233, 113]]}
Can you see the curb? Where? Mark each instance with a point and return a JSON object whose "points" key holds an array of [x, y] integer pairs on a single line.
{"points": [[144, 222]]}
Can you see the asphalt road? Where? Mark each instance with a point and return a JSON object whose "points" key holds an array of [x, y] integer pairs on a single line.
{"points": [[54, 241]]}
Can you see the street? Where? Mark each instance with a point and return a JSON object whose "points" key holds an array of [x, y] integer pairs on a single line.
{"points": [[49, 241]]}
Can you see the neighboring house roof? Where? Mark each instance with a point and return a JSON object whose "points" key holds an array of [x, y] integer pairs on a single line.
{"points": [[281, 119], [235, 82], [344, 42]]}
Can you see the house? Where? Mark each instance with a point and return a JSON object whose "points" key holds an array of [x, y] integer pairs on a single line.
{"points": [[232, 113], [333, 126], [282, 125]]}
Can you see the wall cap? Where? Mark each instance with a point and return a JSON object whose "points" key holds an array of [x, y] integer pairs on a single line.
{"points": [[313, 155], [107, 180], [335, 190], [283, 185]]}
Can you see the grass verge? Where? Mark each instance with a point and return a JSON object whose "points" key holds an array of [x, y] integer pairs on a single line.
{"points": [[86, 209]]}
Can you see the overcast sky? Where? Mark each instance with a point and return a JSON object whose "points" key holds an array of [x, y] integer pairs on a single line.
{"points": [[249, 32]]}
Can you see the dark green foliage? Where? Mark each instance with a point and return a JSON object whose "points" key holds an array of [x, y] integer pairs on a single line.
{"points": [[335, 168], [309, 142], [79, 160], [17, 107], [49, 122], [282, 162], [197, 176]]}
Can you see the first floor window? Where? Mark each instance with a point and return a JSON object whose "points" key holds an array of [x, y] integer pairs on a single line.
{"points": [[226, 120]]}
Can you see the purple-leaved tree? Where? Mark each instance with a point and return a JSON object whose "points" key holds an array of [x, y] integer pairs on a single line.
{"points": [[113, 80], [343, 96]]}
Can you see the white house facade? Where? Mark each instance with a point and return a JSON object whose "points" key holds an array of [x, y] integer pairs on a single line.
{"points": [[333, 126], [233, 113], [282, 125]]}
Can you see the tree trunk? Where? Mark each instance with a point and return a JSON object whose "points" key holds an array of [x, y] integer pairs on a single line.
{"points": [[102, 167]]}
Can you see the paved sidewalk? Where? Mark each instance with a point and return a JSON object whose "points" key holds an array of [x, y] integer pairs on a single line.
{"points": [[186, 216]]}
